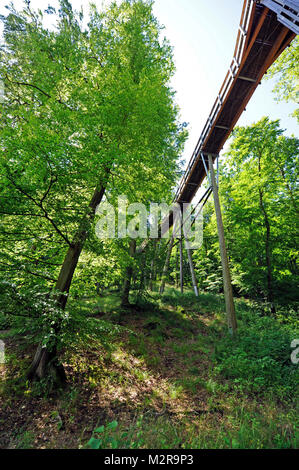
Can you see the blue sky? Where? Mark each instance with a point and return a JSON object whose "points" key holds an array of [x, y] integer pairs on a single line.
{"points": [[203, 34]]}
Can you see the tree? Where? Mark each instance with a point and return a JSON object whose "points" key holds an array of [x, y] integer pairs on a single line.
{"points": [[85, 111], [286, 68], [260, 204], [259, 194]]}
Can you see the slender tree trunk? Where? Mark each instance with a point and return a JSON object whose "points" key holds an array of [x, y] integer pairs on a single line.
{"points": [[45, 361], [293, 199], [166, 265], [128, 277], [270, 293], [150, 286], [142, 282], [158, 250], [191, 265]]}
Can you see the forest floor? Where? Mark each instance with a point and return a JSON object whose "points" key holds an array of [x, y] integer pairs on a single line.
{"points": [[172, 378]]}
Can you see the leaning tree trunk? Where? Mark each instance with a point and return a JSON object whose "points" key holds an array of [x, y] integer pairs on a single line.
{"points": [[45, 361], [128, 277]]}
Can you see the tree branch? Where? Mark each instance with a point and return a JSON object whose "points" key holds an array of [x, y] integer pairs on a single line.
{"points": [[40, 205]]}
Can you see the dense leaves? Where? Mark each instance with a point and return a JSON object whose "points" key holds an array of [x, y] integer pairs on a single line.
{"points": [[286, 70], [85, 109], [259, 193]]}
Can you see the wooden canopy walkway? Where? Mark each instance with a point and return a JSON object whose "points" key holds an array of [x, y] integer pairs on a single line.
{"points": [[267, 27]]}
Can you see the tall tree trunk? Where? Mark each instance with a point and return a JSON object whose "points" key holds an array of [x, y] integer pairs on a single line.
{"points": [[157, 253], [128, 277], [150, 286], [270, 292], [293, 198], [166, 265], [152, 272], [142, 281], [45, 361]]}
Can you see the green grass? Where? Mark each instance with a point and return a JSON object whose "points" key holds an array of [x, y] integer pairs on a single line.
{"points": [[108, 303], [242, 430], [174, 378]]}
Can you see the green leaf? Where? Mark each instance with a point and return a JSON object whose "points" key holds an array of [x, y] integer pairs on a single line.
{"points": [[100, 429], [114, 444], [94, 443], [112, 425]]}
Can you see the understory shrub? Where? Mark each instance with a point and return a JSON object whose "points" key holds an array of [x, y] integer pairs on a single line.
{"points": [[258, 360]]}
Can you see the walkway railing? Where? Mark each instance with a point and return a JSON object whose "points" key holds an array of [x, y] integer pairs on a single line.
{"points": [[228, 81]]}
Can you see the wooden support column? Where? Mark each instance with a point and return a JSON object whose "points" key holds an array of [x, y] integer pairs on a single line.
{"points": [[194, 280], [181, 264], [166, 265], [150, 286], [177, 276], [228, 292]]}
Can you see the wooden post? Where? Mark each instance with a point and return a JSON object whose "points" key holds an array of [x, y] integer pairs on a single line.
{"points": [[177, 277], [228, 292], [181, 265], [166, 265], [142, 281], [194, 280]]}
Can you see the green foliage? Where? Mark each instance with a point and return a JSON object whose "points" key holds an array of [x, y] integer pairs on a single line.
{"points": [[258, 360], [206, 302], [259, 196], [109, 437], [5, 322], [250, 430], [34, 314], [104, 440], [176, 393], [24, 440], [286, 69], [103, 116], [243, 430]]}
